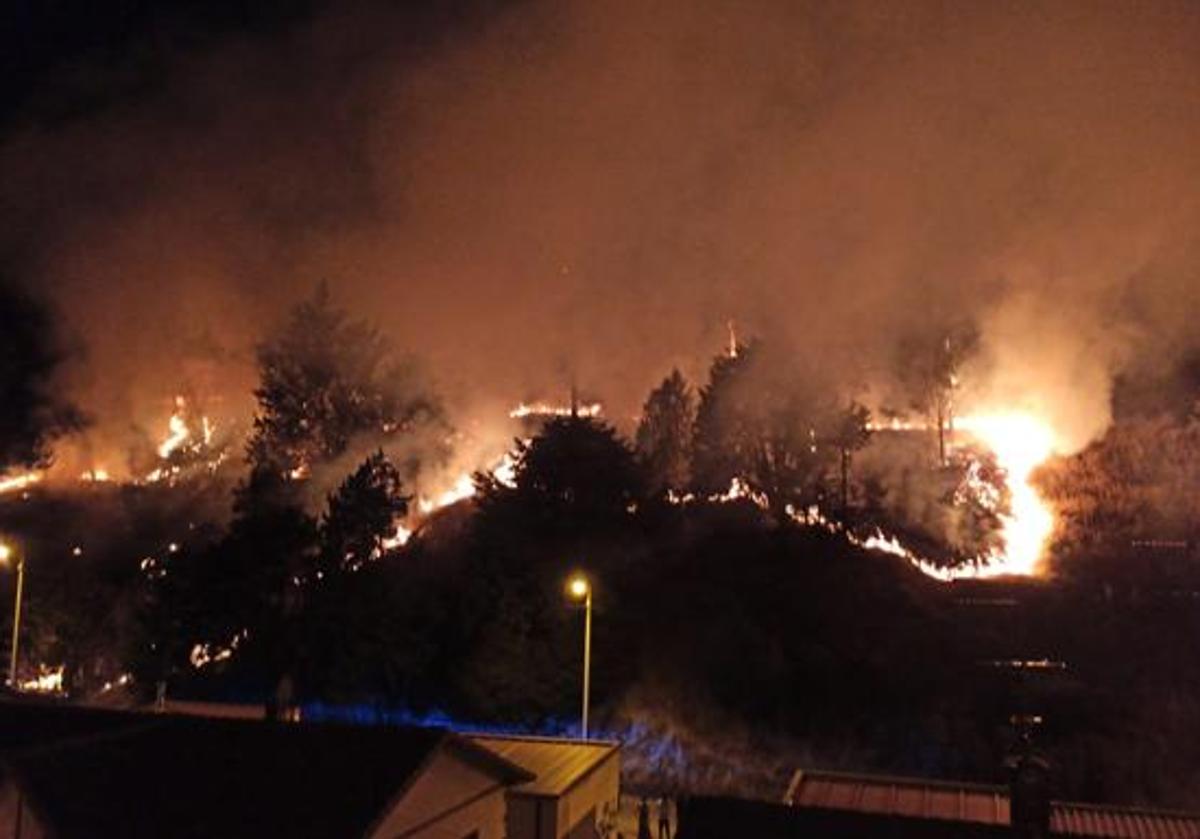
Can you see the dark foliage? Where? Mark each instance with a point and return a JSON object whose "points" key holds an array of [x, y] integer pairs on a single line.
{"points": [[664, 436], [772, 423], [361, 514], [928, 366], [34, 415], [325, 381], [576, 475]]}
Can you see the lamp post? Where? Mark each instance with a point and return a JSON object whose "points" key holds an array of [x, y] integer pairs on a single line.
{"points": [[6, 556], [581, 589]]}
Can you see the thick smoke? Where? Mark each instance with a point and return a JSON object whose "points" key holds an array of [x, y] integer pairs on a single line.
{"points": [[550, 192]]}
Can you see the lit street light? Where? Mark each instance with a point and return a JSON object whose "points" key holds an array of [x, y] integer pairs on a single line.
{"points": [[580, 589], [6, 555]]}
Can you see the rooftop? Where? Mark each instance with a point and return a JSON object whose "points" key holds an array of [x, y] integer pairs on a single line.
{"points": [[977, 803], [108, 773], [558, 764]]}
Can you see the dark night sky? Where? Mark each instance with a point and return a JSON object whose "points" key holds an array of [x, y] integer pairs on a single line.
{"points": [[119, 44], [88, 54]]}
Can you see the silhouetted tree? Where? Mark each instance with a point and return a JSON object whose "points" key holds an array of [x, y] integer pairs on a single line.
{"points": [[575, 474], [524, 665], [763, 422], [850, 432], [928, 367], [724, 435], [325, 380], [34, 414], [361, 514], [273, 547], [664, 435]]}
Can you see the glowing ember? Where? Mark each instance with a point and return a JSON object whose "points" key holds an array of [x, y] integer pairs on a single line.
{"points": [[397, 539], [121, 681], [463, 488], [185, 437], [47, 680], [203, 655], [506, 471], [178, 428], [1021, 443], [13, 483], [739, 489], [97, 475], [546, 409]]}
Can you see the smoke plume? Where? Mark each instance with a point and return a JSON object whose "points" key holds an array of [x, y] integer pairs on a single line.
{"points": [[546, 192]]}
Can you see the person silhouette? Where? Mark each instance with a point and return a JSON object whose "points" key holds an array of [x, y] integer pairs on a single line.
{"points": [[643, 820], [664, 818]]}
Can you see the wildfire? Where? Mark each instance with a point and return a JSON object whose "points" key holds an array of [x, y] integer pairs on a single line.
{"points": [[185, 437], [46, 680], [1020, 443], [15, 483], [203, 655], [503, 470], [397, 539], [464, 487], [547, 409], [178, 428]]}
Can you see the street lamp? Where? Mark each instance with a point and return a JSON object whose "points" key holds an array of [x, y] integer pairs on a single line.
{"points": [[580, 589], [6, 555]]}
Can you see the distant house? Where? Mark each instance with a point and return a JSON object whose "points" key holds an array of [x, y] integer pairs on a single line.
{"points": [[575, 785], [833, 805], [68, 773]]}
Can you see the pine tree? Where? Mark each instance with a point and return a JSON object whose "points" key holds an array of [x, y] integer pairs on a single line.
{"points": [[664, 435], [928, 369], [850, 432], [327, 380], [361, 514], [764, 423]]}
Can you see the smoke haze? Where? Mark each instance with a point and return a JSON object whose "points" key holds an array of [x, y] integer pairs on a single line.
{"points": [[543, 192]]}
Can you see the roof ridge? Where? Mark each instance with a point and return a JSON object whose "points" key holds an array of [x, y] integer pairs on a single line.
{"points": [[804, 775], [541, 738]]}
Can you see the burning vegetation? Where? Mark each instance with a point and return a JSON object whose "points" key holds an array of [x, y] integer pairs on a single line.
{"points": [[362, 559], [343, 430], [956, 428]]}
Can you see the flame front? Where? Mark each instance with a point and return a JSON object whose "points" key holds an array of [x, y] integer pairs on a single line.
{"points": [[23, 480], [1021, 443], [177, 426], [548, 409]]}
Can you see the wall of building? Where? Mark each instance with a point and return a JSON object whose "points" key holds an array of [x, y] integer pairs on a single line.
{"points": [[572, 815], [530, 817], [448, 800], [589, 799]]}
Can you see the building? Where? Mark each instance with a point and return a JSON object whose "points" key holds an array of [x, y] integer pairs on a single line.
{"points": [[833, 805], [68, 772], [574, 789]]}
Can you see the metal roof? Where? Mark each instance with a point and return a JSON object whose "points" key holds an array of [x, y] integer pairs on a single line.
{"points": [[978, 803], [104, 773], [557, 764]]}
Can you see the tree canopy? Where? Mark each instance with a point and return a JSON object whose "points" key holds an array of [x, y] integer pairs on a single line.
{"points": [[664, 435], [361, 513], [769, 421], [326, 380]]}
